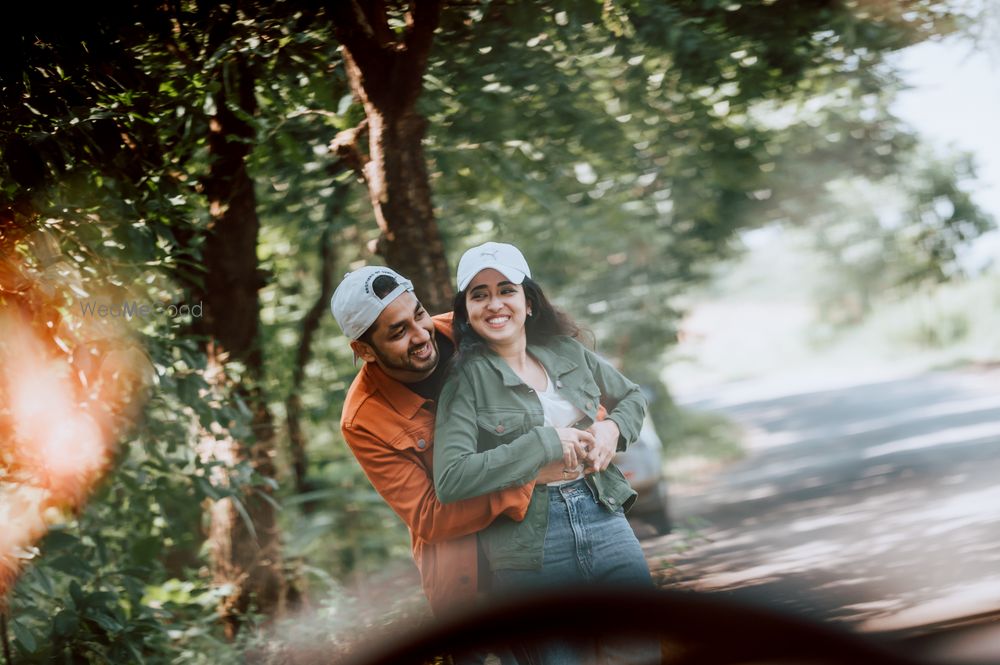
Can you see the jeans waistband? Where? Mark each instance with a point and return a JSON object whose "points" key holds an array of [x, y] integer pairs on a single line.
{"points": [[577, 486]]}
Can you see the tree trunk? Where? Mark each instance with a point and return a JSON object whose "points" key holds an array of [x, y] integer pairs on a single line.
{"points": [[400, 191], [386, 75], [244, 555], [310, 324]]}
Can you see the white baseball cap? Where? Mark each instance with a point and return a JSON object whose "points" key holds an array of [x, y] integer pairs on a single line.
{"points": [[505, 259], [356, 306]]}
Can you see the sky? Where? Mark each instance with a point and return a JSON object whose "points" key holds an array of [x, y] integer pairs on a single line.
{"points": [[954, 102]]}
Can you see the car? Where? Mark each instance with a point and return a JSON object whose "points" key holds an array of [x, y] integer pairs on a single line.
{"points": [[642, 466]]}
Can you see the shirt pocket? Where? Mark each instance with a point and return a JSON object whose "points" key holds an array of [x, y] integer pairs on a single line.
{"points": [[416, 440]]}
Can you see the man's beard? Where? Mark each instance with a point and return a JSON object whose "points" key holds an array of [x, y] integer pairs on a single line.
{"points": [[409, 366]]}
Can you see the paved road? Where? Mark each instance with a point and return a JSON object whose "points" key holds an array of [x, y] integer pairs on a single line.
{"points": [[875, 504]]}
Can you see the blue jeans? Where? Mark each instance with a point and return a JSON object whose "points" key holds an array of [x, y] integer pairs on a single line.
{"points": [[585, 543]]}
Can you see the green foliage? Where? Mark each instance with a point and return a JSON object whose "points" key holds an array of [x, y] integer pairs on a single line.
{"points": [[896, 237]]}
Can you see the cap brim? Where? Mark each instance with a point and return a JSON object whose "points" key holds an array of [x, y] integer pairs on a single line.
{"points": [[514, 275]]}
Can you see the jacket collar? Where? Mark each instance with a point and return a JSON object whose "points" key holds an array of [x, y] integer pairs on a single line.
{"points": [[555, 365], [399, 396]]}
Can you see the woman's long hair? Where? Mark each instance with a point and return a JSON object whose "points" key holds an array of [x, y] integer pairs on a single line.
{"points": [[546, 321]]}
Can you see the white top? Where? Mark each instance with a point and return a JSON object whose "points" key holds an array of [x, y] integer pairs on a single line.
{"points": [[559, 413]]}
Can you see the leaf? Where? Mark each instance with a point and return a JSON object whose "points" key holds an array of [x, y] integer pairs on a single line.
{"points": [[247, 522], [42, 580], [24, 637], [134, 651], [268, 498], [76, 593], [71, 565], [107, 622], [65, 623], [208, 489], [145, 549], [59, 540]]}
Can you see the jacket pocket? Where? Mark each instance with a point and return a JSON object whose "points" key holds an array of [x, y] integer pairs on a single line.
{"points": [[590, 398], [499, 427]]}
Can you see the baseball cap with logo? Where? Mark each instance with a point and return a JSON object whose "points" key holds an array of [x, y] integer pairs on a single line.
{"points": [[505, 259], [356, 306]]}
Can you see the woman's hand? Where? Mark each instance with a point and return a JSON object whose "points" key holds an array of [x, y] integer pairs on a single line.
{"points": [[605, 433], [576, 445]]}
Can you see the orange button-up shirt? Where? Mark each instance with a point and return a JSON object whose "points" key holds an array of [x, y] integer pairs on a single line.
{"points": [[390, 430]]}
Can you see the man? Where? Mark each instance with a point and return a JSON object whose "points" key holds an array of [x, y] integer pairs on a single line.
{"points": [[388, 422]]}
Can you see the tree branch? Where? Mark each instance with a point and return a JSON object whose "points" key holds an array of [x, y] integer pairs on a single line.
{"points": [[345, 146], [351, 28], [422, 20], [378, 22]]}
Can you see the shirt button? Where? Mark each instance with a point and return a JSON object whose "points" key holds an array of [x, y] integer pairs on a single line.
{"points": [[500, 429], [421, 444]]}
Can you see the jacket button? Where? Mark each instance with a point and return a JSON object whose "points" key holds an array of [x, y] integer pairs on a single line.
{"points": [[421, 444], [589, 405], [558, 384], [500, 429], [611, 500]]}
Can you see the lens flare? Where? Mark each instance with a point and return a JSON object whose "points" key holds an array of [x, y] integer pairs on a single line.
{"points": [[56, 438]]}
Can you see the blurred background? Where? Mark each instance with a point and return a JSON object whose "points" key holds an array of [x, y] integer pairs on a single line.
{"points": [[778, 216]]}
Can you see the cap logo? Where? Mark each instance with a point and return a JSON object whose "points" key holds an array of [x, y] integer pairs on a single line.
{"points": [[489, 252]]}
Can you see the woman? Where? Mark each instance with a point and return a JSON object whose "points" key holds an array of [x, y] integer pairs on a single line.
{"points": [[523, 393]]}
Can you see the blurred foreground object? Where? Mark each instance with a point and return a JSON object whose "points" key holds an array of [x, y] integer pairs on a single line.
{"points": [[692, 628], [67, 390]]}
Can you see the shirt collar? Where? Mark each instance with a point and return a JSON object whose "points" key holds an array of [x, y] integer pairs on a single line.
{"points": [[555, 364]]}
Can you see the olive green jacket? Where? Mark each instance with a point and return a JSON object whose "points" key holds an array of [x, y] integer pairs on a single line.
{"points": [[489, 436]]}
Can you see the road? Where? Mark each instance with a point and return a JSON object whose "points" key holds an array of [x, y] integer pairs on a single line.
{"points": [[876, 504]]}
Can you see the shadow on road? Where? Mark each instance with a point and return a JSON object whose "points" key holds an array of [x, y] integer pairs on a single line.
{"points": [[876, 505]]}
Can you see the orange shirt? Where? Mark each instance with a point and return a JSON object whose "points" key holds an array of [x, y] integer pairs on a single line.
{"points": [[390, 430]]}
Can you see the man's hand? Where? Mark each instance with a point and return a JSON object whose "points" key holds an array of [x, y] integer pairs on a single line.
{"points": [[606, 434]]}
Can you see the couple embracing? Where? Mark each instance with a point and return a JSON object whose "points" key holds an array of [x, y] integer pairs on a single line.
{"points": [[490, 432]]}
